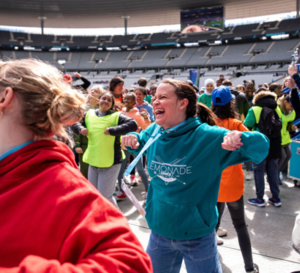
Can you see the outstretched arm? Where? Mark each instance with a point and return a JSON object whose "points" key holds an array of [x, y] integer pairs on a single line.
{"points": [[232, 141]]}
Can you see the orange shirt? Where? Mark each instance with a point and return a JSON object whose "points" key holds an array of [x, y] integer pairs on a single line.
{"points": [[232, 180]]}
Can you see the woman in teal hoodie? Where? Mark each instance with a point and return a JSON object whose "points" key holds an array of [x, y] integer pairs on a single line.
{"points": [[185, 165]]}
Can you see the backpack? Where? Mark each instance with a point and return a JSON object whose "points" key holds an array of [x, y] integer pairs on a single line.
{"points": [[270, 125]]}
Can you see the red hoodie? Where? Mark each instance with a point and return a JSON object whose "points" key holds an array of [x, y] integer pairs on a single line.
{"points": [[53, 220]]}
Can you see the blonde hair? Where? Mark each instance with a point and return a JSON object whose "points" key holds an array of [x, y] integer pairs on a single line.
{"points": [[98, 88], [47, 102]]}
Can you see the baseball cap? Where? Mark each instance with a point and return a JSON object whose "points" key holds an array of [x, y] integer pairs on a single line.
{"points": [[221, 95]]}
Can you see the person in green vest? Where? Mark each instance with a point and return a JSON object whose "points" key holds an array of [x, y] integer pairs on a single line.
{"points": [[80, 141], [287, 117], [205, 98], [104, 127]]}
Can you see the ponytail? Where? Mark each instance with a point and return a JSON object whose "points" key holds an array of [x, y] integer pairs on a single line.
{"points": [[205, 114]]}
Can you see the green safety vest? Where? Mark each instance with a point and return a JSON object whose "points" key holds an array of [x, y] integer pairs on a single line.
{"points": [[100, 151], [285, 134]]}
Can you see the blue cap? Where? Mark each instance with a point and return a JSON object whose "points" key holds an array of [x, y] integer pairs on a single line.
{"points": [[221, 95]]}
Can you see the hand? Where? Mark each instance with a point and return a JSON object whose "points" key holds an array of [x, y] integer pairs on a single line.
{"points": [[291, 83], [84, 132], [77, 75], [232, 141], [294, 128], [78, 150], [106, 132], [130, 140], [152, 100], [144, 113], [292, 70]]}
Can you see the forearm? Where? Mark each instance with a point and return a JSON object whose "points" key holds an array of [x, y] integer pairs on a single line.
{"points": [[86, 83], [255, 146], [295, 100], [296, 78], [77, 127], [124, 126]]}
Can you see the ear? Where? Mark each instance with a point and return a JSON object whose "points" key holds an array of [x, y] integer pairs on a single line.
{"points": [[183, 104], [6, 97]]}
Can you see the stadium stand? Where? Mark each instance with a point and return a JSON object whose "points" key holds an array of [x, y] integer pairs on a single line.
{"points": [[247, 49]]}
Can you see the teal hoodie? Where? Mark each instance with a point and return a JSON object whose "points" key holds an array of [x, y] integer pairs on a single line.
{"points": [[185, 167]]}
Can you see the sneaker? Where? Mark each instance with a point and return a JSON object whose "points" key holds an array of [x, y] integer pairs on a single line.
{"points": [[133, 181], [248, 175], [255, 269], [144, 195], [275, 202], [257, 202], [219, 240], [221, 232], [121, 196]]}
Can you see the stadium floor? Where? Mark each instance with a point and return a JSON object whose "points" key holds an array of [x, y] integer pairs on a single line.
{"points": [[270, 229]]}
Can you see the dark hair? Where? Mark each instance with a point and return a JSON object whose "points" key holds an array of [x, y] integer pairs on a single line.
{"points": [[287, 97], [205, 114], [260, 90], [142, 89], [280, 102], [246, 83], [273, 86], [184, 91], [153, 86], [142, 82], [132, 95], [113, 107], [226, 111], [227, 82], [114, 82]]}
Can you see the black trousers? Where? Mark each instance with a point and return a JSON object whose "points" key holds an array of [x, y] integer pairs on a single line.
{"points": [[237, 213]]}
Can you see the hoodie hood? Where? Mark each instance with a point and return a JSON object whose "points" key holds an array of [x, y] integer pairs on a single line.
{"points": [[187, 125], [265, 98], [32, 157]]}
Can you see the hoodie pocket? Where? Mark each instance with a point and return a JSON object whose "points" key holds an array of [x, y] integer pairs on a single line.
{"points": [[175, 221]]}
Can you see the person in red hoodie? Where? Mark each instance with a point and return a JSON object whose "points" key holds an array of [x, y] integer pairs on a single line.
{"points": [[52, 219]]}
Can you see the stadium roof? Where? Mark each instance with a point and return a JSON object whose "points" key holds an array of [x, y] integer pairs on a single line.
{"points": [[97, 13]]}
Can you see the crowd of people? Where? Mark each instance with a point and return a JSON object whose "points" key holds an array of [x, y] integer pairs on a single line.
{"points": [[197, 146]]}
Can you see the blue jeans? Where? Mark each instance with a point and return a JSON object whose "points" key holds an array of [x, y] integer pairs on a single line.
{"points": [[200, 255], [271, 167]]}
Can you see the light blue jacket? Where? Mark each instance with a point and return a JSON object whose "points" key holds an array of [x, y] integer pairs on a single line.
{"points": [[185, 167]]}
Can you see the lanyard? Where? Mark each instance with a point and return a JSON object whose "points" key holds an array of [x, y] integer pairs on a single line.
{"points": [[155, 135]]}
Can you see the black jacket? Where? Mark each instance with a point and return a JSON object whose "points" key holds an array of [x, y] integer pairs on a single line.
{"points": [[295, 100], [268, 99], [242, 103]]}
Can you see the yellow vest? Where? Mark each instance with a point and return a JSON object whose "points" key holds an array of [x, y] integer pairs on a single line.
{"points": [[100, 151], [285, 134]]}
